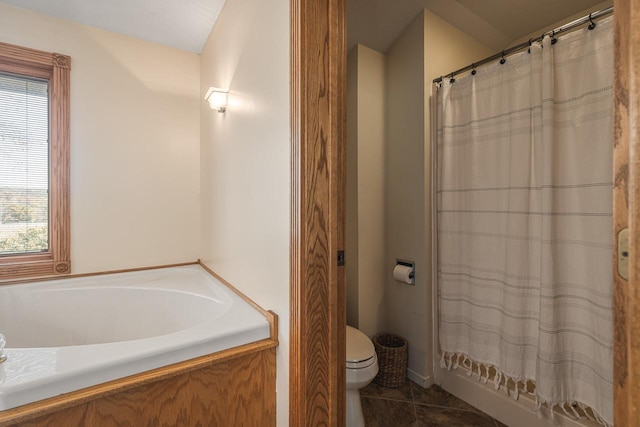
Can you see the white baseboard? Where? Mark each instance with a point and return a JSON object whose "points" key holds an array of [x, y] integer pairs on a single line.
{"points": [[419, 379], [496, 403]]}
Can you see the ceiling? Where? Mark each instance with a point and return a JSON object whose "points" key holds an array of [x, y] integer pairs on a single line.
{"points": [[186, 24], [183, 24], [495, 23]]}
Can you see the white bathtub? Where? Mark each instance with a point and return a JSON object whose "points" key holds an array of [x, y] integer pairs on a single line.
{"points": [[68, 334]]}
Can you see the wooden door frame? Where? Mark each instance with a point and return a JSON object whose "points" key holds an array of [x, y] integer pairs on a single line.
{"points": [[317, 366], [626, 198], [318, 298]]}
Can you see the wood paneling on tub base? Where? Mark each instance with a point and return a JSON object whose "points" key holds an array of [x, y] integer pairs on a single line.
{"points": [[234, 387]]}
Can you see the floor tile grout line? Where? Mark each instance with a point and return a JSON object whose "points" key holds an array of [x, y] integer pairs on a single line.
{"points": [[411, 398], [386, 398], [413, 406], [475, 411]]}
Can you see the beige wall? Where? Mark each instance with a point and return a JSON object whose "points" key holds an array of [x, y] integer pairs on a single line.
{"points": [[407, 311], [577, 15], [351, 199], [134, 142], [428, 48], [365, 189], [388, 180], [245, 169], [447, 49]]}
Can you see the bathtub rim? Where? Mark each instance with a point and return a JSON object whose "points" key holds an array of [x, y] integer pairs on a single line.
{"points": [[268, 314], [30, 411]]}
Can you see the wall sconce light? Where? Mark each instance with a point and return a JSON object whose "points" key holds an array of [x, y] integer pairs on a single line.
{"points": [[217, 99]]}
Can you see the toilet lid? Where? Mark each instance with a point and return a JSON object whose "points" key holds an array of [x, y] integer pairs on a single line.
{"points": [[359, 346]]}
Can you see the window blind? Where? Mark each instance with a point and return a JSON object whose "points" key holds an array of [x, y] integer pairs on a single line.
{"points": [[24, 165]]}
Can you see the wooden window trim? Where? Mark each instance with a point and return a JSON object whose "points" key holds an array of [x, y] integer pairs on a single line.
{"points": [[57, 69]]}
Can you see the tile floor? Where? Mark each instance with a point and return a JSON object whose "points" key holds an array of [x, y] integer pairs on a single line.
{"points": [[414, 406]]}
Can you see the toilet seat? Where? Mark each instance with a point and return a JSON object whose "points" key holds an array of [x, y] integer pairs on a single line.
{"points": [[360, 350], [362, 363], [362, 368]]}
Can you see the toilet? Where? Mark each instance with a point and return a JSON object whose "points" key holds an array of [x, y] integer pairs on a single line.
{"points": [[362, 368]]}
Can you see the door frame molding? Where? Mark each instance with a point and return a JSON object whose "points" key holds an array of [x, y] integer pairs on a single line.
{"points": [[626, 212], [317, 366]]}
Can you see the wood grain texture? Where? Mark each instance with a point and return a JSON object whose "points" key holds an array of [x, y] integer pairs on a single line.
{"points": [[238, 392], [317, 349], [59, 165], [620, 210], [271, 316], [627, 212], [9, 66], [98, 273], [232, 387], [57, 69], [33, 57], [234, 289], [339, 292]]}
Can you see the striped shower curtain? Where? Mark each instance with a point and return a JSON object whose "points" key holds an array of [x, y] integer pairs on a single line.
{"points": [[524, 199]]}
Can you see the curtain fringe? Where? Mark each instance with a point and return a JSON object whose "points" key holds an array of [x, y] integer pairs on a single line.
{"points": [[451, 361]]}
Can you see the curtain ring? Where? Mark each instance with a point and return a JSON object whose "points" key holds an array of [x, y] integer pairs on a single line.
{"points": [[554, 40], [503, 60], [473, 69], [530, 43], [592, 25], [452, 80]]}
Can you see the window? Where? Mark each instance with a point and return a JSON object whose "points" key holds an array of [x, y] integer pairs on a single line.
{"points": [[34, 163], [24, 165]]}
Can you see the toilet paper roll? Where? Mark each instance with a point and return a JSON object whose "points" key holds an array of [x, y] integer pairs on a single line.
{"points": [[403, 273]]}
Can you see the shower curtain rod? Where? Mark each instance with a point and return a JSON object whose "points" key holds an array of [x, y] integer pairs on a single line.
{"points": [[571, 25]]}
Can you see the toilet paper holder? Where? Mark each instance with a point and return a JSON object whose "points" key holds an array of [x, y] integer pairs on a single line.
{"points": [[410, 264]]}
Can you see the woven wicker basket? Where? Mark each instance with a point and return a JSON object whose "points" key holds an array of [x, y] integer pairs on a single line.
{"points": [[392, 360]]}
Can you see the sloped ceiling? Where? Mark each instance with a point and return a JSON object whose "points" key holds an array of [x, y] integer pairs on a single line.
{"points": [[186, 24], [183, 24], [495, 23]]}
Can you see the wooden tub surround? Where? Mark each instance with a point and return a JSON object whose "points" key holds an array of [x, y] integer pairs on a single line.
{"points": [[227, 388]]}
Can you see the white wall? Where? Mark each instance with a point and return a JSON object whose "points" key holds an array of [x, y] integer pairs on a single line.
{"points": [[134, 142], [365, 189], [245, 169]]}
